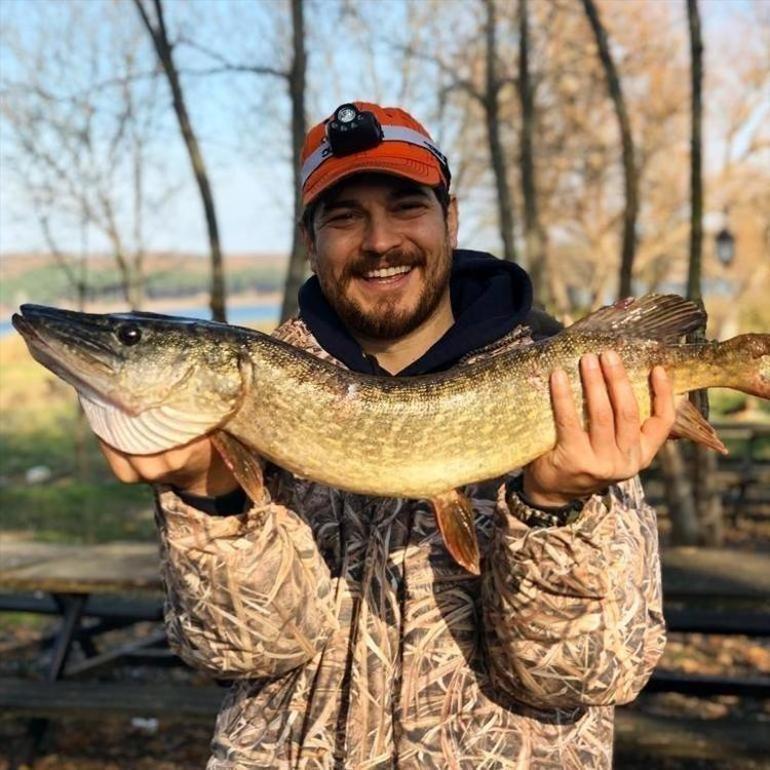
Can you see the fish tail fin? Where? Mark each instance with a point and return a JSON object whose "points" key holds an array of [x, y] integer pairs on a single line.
{"points": [[745, 361]]}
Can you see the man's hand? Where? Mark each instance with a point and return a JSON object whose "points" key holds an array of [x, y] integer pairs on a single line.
{"points": [[614, 445], [195, 467]]}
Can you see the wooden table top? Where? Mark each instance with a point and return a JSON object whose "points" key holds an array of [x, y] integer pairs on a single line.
{"points": [[55, 567], [716, 572], [129, 567]]}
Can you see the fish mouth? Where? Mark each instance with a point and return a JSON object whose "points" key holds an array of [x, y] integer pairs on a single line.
{"points": [[69, 346]]}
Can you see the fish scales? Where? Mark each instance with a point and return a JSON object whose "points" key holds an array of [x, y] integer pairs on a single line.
{"points": [[419, 436]]}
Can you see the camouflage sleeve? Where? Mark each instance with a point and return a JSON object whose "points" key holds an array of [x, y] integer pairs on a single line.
{"points": [[248, 596], [573, 615]]}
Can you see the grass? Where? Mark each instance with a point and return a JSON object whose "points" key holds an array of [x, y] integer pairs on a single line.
{"points": [[82, 502]]}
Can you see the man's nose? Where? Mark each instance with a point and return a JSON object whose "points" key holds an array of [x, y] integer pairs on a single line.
{"points": [[380, 236]]}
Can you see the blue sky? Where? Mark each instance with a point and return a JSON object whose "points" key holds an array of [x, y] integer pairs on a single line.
{"points": [[247, 153], [242, 123]]}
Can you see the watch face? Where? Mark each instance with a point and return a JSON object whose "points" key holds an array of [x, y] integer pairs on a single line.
{"points": [[346, 115]]}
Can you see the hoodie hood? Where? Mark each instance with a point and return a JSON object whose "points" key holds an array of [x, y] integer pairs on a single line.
{"points": [[490, 297]]}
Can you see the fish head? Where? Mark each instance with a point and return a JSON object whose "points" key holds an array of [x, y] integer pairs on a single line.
{"points": [[147, 382]]}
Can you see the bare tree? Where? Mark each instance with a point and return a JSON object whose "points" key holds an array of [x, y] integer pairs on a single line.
{"points": [[68, 151], [707, 499], [294, 76], [696, 163], [297, 268], [472, 71], [490, 101], [629, 167], [534, 235], [165, 52]]}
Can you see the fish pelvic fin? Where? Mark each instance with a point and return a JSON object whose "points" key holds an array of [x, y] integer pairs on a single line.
{"points": [[243, 463], [454, 515], [665, 317], [690, 423]]}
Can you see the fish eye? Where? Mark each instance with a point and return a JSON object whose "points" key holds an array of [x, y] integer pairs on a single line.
{"points": [[129, 334]]}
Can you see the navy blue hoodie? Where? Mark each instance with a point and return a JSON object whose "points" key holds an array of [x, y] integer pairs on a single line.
{"points": [[490, 297]]}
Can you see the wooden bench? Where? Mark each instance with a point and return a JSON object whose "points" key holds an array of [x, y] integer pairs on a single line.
{"points": [[172, 702], [712, 591], [743, 476]]}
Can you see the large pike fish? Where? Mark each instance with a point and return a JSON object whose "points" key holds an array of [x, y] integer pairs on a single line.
{"points": [[150, 382]]}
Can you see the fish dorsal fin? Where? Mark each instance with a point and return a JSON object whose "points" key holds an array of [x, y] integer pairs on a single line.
{"points": [[505, 343], [665, 317]]}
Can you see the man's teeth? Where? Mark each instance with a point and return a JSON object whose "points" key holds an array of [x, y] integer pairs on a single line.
{"points": [[387, 272]]}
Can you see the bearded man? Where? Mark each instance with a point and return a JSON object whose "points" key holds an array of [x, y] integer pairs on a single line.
{"points": [[353, 638]]}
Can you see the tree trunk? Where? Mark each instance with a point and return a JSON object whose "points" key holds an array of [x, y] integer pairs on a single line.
{"points": [[696, 164], [165, 55], [137, 284], [297, 268], [629, 165], [679, 496], [707, 499], [534, 235], [496, 152]]}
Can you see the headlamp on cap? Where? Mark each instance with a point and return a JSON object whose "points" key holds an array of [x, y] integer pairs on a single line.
{"points": [[366, 130], [352, 130]]}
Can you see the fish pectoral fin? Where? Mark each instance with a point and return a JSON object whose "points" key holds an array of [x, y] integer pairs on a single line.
{"points": [[690, 423], [243, 462], [454, 515]]}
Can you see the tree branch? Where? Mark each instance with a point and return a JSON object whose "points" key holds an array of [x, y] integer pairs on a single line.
{"points": [[229, 66]]}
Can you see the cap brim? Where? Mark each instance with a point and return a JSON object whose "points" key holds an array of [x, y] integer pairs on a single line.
{"points": [[412, 162]]}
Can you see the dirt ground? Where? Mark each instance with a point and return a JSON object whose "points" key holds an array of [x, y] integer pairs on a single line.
{"points": [[126, 744], [116, 744]]}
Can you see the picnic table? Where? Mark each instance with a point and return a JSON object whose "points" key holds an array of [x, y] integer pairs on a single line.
{"points": [[87, 587], [80, 582], [712, 591]]}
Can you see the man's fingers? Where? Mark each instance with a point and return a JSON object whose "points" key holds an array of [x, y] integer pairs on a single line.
{"points": [[564, 412], [601, 422], [625, 408], [657, 427]]}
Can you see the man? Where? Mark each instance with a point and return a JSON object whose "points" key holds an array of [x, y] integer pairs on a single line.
{"points": [[354, 638]]}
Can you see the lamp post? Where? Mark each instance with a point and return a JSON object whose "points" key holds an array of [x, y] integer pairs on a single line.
{"points": [[725, 246]]}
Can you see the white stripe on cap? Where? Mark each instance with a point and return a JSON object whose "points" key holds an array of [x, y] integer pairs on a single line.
{"points": [[389, 134]]}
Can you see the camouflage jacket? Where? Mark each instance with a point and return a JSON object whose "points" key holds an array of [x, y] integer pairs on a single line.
{"points": [[355, 641]]}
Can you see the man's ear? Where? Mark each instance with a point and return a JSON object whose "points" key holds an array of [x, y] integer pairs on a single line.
{"points": [[453, 221], [309, 243]]}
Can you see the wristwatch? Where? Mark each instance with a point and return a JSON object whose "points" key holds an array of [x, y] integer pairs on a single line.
{"points": [[540, 515]]}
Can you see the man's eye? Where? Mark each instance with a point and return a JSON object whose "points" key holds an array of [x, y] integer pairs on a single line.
{"points": [[341, 217], [410, 205]]}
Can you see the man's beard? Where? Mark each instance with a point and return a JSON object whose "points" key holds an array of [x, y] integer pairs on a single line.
{"points": [[382, 321]]}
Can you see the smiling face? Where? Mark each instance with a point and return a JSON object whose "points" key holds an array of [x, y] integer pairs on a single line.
{"points": [[382, 250]]}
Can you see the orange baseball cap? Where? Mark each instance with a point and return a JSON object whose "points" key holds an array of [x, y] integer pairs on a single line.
{"points": [[359, 137]]}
